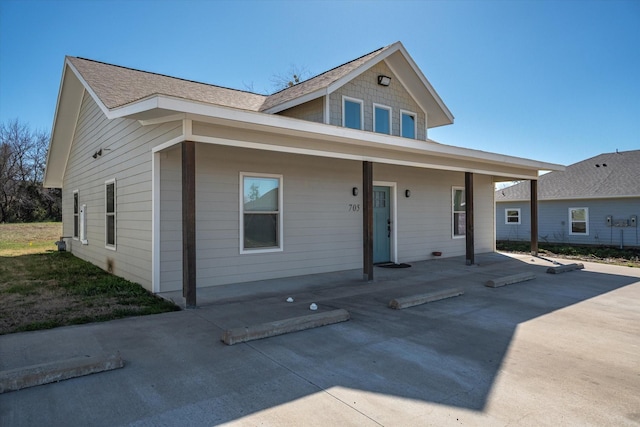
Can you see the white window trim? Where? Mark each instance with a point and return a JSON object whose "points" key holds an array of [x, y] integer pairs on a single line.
{"points": [[586, 220], [453, 211], [280, 248], [390, 110], [73, 233], [115, 214], [506, 217], [359, 101], [415, 123]]}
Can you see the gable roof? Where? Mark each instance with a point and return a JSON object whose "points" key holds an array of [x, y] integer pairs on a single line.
{"points": [[607, 175]]}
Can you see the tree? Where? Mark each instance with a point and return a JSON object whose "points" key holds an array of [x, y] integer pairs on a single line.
{"points": [[291, 78], [23, 156]]}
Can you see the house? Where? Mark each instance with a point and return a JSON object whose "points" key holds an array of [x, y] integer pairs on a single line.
{"points": [[593, 202], [176, 184]]}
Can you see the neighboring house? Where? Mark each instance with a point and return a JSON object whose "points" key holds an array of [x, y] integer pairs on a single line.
{"points": [[176, 184], [595, 201]]}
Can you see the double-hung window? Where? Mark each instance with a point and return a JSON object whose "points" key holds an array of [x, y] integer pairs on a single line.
{"points": [[512, 216], [579, 220], [382, 119], [260, 213], [352, 114], [110, 213], [408, 124], [76, 215], [459, 212]]}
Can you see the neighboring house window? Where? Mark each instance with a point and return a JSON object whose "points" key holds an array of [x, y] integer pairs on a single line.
{"points": [[381, 119], [352, 114], [260, 213], [579, 220], [407, 124], [512, 216], [76, 215], [459, 213], [110, 214]]}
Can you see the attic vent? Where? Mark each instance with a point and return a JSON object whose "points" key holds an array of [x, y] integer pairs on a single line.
{"points": [[604, 165]]}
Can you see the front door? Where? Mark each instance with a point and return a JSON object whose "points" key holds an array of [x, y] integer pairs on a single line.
{"points": [[381, 224]]}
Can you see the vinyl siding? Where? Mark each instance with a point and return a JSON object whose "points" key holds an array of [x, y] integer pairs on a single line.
{"points": [[321, 234], [128, 161], [311, 111], [366, 88], [553, 222]]}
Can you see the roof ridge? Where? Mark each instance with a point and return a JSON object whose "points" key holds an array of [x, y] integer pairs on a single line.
{"points": [[168, 76]]}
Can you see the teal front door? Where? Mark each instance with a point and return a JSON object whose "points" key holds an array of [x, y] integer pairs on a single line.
{"points": [[381, 224]]}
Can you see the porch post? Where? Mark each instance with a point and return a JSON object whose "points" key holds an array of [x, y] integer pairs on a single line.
{"points": [[468, 200], [189, 223], [367, 220], [534, 217]]}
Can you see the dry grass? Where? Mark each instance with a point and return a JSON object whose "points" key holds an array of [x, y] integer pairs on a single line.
{"points": [[41, 288]]}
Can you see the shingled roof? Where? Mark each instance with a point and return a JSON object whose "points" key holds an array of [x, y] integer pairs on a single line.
{"points": [[604, 176]]}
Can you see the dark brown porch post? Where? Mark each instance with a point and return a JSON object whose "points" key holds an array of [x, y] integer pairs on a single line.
{"points": [[534, 217], [367, 220], [468, 200], [189, 223]]}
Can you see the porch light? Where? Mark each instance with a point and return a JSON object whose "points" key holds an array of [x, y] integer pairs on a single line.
{"points": [[384, 80], [354, 191], [407, 193]]}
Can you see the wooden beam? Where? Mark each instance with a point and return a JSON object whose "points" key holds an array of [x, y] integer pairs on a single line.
{"points": [[468, 199], [534, 217], [367, 220], [189, 223]]}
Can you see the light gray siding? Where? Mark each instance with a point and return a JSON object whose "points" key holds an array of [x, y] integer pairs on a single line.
{"points": [[311, 111], [554, 222], [126, 157], [321, 233], [366, 88]]}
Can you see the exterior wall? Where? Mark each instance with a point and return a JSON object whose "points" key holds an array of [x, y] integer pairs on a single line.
{"points": [[366, 88], [321, 233], [128, 161], [311, 111], [554, 223]]}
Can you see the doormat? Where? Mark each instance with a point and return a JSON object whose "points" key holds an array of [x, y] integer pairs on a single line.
{"points": [[393, 265]]}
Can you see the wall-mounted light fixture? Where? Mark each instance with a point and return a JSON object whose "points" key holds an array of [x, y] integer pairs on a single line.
{"points": [[384, 80], [354, 191], [407, 193], [97, 154]]}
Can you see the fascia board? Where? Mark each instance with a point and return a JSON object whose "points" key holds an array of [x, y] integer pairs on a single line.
{"points": [[48, 181], [290, 126], [88, 88]]}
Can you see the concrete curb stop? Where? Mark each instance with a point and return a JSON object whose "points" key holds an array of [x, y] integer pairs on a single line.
{"points": [[45, 373], [280, 327], [509, 280], [413, 300], [564, 268]]}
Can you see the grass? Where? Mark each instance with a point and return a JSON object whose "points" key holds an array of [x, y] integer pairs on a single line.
{"points": [[629, 257], [41, 288]]}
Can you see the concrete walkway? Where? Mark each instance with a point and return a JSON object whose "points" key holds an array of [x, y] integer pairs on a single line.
{"points": [[561, 349]]}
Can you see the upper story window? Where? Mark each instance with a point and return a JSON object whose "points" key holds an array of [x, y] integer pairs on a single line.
{"points": [[512, 216], [459, 212], [110, 213], [260, 213], [352, 114], [382, 119], [408, 124], [579, 220]]}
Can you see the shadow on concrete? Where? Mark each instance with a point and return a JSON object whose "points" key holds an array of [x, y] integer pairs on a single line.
{"points": [[448, 352]]}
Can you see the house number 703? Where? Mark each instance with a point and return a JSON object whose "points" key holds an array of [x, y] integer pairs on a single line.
{"points": [[354, 208]]}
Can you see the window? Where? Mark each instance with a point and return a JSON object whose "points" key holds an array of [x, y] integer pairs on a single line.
{"points": [[459, 213], [352, 113], [381, 119], [512, 216], [110, 214], [407, 124], [76, 215], [260, 213], [579, 220]]}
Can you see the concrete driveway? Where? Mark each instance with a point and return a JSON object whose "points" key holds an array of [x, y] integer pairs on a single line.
{"points": [[562, 349]]}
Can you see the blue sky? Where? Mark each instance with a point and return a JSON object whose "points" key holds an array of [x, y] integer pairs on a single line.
{"points": [[556, 81]]}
